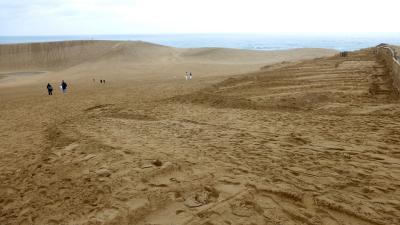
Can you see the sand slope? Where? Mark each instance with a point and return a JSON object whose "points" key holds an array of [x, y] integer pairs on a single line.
{"points": [[59, 55], [82, 60], [310, 142]]}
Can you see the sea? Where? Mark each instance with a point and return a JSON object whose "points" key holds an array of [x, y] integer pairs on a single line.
{"points": [[272, 41]]}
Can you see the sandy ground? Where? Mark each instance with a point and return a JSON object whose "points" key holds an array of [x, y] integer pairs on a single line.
{"points": [[307, 142]]}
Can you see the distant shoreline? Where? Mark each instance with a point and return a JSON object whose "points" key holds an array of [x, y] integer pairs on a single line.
{"points": [[339, 42], [148, 43]]}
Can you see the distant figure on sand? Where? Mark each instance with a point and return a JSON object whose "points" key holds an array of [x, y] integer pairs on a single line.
{"points": [[186, 76], [49, 89], [190, 76], [64, 86], [101, 81]]}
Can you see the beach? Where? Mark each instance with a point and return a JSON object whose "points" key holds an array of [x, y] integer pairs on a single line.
{"points": [[299, 136]]}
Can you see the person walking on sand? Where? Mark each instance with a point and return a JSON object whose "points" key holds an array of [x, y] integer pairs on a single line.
{"points": [[49, 89], [64, 86], [190, 76], [186, 76]]}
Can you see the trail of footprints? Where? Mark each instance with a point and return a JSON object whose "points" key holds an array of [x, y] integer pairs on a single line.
{"points": [[272, 187], [200, 165]]}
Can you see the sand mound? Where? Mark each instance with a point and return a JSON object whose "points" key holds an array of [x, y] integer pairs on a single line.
{"points": [[248, 91], [44, 56], [59, 55], [80, 61], [224, 55]]}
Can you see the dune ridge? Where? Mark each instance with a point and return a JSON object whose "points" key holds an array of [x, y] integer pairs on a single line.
{"points": [[60, 55], [80, 61]]}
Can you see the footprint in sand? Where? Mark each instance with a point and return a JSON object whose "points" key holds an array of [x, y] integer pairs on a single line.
{"points": [[203, 197], [246, 207]]}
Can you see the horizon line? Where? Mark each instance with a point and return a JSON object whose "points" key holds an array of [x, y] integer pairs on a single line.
{"points": [[314, 33]]}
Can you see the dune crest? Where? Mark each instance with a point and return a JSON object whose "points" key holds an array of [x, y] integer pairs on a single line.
{"points": [[61, 55], [131, 60]]}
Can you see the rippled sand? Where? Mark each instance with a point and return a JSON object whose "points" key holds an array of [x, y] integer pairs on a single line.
{"points": [[300, 142]]}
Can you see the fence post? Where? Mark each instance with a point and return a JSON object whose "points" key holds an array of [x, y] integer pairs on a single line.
{"points": [[390, 57]]}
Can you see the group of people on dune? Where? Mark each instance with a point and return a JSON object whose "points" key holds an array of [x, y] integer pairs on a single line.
{"points": [[63, 87], [101, 81]]}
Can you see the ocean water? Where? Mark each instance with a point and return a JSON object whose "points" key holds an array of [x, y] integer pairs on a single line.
{"points": [[341, 42]]}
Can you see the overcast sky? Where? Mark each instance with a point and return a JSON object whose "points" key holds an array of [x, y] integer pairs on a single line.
{"points": [[88, 17]]}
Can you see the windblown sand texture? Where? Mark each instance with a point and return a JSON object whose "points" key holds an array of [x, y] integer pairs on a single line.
{"points": [[306, 141]]}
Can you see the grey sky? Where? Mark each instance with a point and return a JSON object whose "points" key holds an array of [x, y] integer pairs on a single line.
{"points": [[71, 17]]}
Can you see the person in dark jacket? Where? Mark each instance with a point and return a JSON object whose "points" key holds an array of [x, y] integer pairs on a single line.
{"points": [[64, 86], [49, 89]]}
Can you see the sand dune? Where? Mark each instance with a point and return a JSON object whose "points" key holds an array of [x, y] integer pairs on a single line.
{"points": [[47, 56], [308, 142], [59, 55], [108, 59], [247, 56]]}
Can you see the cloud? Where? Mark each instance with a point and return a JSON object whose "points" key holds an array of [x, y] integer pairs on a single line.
{"points": [[41, 17]]}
